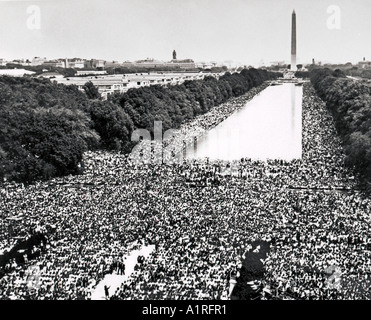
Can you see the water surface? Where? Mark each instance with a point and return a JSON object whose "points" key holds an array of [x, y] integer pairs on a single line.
{"points": [[268, 127]]}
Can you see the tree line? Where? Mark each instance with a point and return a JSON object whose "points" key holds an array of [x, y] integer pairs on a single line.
{"points": [[46, 127], [350, 104], [175, 104]]}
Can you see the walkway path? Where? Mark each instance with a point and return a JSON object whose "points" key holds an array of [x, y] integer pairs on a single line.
{"points": [[114, 281]]}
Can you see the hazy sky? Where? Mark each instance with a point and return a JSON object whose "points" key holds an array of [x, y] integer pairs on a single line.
{"points": [[247, 31]]}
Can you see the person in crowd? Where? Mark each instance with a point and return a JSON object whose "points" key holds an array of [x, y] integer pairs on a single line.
{"points": [[106, 291]]}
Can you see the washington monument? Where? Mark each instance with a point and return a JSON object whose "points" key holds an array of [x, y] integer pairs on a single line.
{"points": [[293, 42]]}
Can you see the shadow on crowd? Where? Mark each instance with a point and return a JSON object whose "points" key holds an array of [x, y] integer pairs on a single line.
{"points": [[248, 285], [23, 251]]}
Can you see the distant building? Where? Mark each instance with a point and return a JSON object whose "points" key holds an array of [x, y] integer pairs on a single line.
{"points": [[90, 72], [205, 65], [138, 81], [99, 63], [109, 84], [3, 62], [157, 64], [37, 61], [106, 84], [95, 64], [21, 62], [182, 64], [149, 63], [364, 64], [76, 64], [54, 63]]}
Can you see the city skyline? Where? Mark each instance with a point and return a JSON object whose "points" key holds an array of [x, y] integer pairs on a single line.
{"points": [[250, 32]]}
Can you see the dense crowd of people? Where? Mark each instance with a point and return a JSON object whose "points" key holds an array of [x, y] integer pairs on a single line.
{"points": [[201, 216]]}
